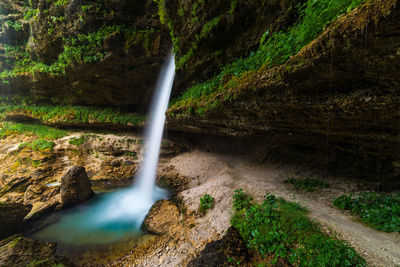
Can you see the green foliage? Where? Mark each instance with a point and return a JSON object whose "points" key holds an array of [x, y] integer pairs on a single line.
{"points": [[162, 12], [381, 211], [83, 49], [281, 229], [39, 145], [78, 141], [275, 48], [16, 25], [206, 203], [61, 2], [30, 13], [35, 129], [71, 114], [307, 184]]}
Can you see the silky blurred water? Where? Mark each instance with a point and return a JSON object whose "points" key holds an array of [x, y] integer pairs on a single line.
{"points": [[118, 216]]}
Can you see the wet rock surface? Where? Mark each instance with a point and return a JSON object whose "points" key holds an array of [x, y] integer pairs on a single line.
{"points": [[162, 218], [338, 95], [22, 251], [75, 187], [136, 55], [12, 218]]}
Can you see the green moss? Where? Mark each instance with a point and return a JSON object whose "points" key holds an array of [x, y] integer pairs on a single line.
{"points": [[78, 141], [35, 129], [68, 114], [82, 49], [39, 145], [274, 49]]}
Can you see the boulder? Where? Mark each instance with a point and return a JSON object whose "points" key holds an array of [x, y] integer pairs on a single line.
{"points": [[75, 187], [21, 251], [162, 218], [229, 251], [11, 218]]}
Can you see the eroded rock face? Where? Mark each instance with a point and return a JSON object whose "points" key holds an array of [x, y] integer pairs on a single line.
{"points": [[229, 251], [12, 218], [162, 218], [75, 187], [21, 251], [338, 95], [122, 73], [208, 34]]}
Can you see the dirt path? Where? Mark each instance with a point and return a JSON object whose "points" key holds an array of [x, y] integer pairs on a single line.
{"points": [[221, 175]]}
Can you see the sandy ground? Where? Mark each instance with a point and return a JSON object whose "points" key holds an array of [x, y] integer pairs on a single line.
{"points": [[220, 175]]}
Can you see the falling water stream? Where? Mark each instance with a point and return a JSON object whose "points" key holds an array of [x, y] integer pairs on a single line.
{"points": [[115, 216]]}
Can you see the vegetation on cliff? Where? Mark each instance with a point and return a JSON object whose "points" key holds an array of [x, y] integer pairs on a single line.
{"points": [[67, 114], [274, 49]]}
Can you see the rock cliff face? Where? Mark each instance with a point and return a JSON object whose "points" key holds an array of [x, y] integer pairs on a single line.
{"points": [[208, 34], [82, 52], [339, 94]]}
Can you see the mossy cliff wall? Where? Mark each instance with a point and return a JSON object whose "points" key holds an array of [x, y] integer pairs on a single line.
{"points": [[82, 52], [339, 94]]}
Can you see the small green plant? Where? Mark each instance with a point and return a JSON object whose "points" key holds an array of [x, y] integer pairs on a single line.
{"points": [[78, 141], [307, 184], [206, 203], [380, 211], [39, 145], [280, 229]]}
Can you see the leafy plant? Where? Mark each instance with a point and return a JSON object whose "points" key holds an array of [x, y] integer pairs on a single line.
{"points": [[281, 229], [206, 203], [380, 211], [307, 184]]}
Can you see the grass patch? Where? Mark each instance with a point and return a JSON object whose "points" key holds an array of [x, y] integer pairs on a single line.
{"points": [[39, 145], [71, 114], [307, 184], [40, 131], [380, 211], [206, 203], [78, 141], [275, 48], [281, 229]]}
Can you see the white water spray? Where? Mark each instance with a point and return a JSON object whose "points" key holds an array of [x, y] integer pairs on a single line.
{"points": [[113, 216], [147, 174]]}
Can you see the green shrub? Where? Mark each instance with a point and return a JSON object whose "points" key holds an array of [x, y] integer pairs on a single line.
{"points": [[206, 203], [281, 229], [307, 184], [380, 211]]}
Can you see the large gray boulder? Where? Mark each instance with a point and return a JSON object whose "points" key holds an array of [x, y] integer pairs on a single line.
{"points": [[75, 187]]}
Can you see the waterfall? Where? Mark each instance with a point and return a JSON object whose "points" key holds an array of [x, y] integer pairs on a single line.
{"points": [[118, 215], [147, 174]]}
